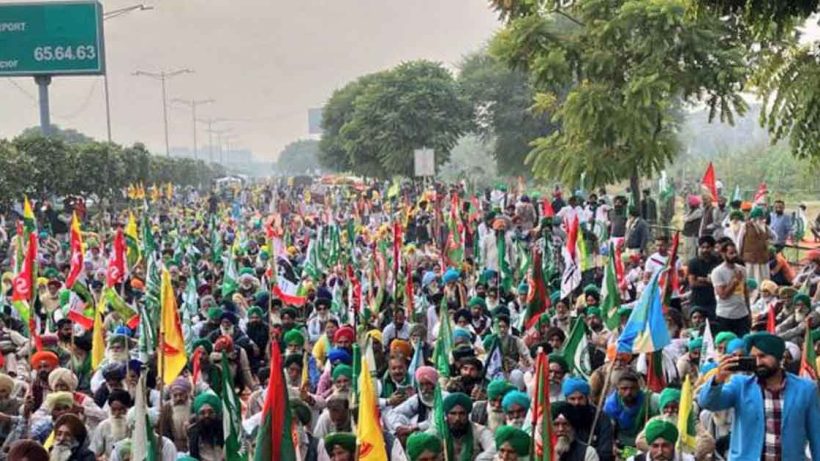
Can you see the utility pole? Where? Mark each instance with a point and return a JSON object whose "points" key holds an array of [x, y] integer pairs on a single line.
{"points": [[162, 76], [218, 134], [106, 16], [192, 104]]}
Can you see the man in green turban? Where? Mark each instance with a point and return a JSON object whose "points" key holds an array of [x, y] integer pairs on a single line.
{"points": [[294, 341], [423, 446], [206, 437], [468, 439], [661, 435], [512, 443], [341, 446]]}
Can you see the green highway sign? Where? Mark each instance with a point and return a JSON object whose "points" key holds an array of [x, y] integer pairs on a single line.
{"points": [[54, 38]]}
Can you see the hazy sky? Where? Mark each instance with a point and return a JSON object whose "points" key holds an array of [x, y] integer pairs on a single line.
{"points": [[266, 61], [263, 60]]}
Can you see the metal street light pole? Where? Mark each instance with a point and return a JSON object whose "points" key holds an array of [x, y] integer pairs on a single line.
{"points": [[162, 76], [107, 16], [192, 104]]}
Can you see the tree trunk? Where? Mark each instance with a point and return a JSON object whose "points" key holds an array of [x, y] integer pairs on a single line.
{"points": [[635, 188]]}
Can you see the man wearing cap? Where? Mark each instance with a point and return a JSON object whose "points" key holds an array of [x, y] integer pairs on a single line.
{"points": [[776, 413], [661, 435], [568, 447], [688, 363], [205, 434], [470, 440], [422, 446]]}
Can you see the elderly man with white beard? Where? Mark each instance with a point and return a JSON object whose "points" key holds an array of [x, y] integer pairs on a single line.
{"points": [[70, 440], [64, 380], [567, 446], [115, 427], [176, 414], [116, 352], [415, 413], [516, 404]]}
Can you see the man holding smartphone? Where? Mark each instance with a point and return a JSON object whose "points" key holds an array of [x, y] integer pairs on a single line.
{"points": [[776, 413]]}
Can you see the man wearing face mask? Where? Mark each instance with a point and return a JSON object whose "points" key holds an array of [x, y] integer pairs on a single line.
{"points": [[777, 412], [516, 404], [115, 427], [205, 435]]}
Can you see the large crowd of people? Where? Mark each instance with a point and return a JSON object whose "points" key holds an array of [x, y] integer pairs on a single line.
{"points": [[440, 322]]}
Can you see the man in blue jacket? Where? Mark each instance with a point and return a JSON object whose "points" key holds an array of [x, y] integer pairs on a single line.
{"points": [[776, 412]]}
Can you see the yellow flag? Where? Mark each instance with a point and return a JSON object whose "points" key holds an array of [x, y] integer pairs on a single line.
{"points": [[369, 434], [169, 191], [686, 438], [173, 347], [98, 339]]}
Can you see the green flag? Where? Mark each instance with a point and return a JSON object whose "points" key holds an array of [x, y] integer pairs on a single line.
{"points": [[144, 439], [230, 280], [231, 416], [444, 342], [610, 295], [576, 349]]}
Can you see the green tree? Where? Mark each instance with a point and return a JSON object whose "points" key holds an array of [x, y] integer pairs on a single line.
{"points": [[501, 100], [386, 116], [298, 157], [614, 73], [786, 69], [337, 113], [67, 135], [47, 165]]}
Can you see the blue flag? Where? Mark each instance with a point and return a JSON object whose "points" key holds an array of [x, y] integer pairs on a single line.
{"points": [[646, 331]]}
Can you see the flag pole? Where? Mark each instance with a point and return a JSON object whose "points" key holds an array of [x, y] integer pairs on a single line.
{"points": [[600, 403], [161, 428]]}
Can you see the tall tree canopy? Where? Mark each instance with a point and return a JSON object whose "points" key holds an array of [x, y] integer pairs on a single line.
{"points": [[298, 157], [501, 99], [614, 73], [373, 125]]}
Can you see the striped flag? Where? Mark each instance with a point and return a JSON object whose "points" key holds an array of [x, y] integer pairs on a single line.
{"points": [[646, 330], [576, 349], [544, 439], [231, 416]]}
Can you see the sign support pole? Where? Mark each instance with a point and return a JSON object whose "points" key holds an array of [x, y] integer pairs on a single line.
{"points": [[45, 116]]}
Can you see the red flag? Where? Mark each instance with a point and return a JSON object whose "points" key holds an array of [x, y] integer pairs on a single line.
{"points": [[655, 377], [537, 300], [709, 182], [546, 209], [669, 279], [408, 291], [771, 325], [274, 440], [542, 414], [760, 195], [355, 290], [23, 288], [196, 367], [76, 253], [116, 264], [397, 241]]}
